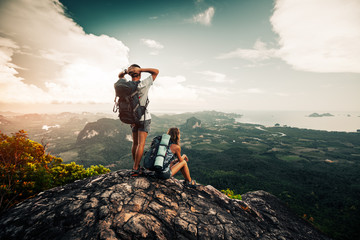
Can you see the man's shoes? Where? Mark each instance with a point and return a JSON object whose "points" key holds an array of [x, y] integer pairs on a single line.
{"points": [[138, 172], [135, 173]]}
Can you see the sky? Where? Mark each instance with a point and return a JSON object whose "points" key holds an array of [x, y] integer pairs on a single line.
{"points": [[229, 55]]}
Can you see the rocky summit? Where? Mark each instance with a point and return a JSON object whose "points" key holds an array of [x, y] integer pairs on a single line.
{"points": [[117, 206]]}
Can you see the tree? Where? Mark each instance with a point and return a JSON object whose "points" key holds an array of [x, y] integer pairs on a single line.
{"points": [[26, 169]]}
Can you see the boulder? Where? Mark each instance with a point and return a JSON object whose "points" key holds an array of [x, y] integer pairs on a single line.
{"points": [[117, 206]]}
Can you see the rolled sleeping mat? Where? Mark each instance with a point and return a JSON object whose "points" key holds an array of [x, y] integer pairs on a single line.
{"points": [[165, 139], [159, 160]]}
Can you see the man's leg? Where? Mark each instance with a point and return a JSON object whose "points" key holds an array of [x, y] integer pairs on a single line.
{"points": [[134, 144], [140, 148]]}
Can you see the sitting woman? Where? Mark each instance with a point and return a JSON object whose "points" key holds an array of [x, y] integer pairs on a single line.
{"points": [[174, 161]]}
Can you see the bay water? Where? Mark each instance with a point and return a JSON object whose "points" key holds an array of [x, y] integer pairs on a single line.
{"points": [[340, 121]]}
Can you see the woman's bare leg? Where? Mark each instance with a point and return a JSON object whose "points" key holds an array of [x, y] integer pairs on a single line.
{"points": [[184, 170]]}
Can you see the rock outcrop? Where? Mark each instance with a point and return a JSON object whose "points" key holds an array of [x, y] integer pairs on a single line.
{"points": [[192, 123], [117, 206], [103, 128]]}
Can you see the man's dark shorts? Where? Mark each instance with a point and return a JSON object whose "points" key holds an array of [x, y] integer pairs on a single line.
{"points": [[143, 126]]}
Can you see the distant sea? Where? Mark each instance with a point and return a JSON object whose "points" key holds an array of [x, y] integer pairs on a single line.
{"points": [[341, 121]]}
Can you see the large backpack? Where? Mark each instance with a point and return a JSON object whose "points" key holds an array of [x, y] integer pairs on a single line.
{"points": [[155, 156], [127, 101]]}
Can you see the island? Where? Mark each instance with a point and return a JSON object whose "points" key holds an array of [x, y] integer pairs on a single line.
{"points": [[321, 115]]}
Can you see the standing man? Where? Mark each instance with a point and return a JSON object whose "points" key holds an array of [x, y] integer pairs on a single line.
{"points": [[141, 130]]}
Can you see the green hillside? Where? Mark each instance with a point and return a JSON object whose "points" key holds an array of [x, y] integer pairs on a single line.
{"points": [[316, 173]]}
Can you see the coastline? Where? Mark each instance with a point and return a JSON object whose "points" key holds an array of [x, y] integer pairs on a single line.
{"points": [[342, 121]]}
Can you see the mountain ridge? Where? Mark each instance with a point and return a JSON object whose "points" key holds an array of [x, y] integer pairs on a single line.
{"points": [[117, 206]]}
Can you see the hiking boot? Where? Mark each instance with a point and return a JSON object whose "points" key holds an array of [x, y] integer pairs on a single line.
{"points": [[135, 173], [191, 184], [138, 172]]}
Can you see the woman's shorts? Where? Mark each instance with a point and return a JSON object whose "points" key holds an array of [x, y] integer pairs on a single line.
{"points": [[165, 174]]}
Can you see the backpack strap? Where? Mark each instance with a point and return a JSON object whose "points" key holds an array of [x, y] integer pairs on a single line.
{"points": [[146, 104], [134, 93], [116, 105]]}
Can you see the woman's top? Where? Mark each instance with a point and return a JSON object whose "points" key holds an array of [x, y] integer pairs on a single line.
{"points": [[169, 157]]}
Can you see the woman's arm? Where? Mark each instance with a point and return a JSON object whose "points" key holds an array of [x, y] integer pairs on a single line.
{"points": [[177, 150]]}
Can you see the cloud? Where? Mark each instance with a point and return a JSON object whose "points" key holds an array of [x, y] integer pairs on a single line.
{"points": [[12, 87], [214, 77], [7, 48], [314, 36], [319, 36], [152, 44], [260, 52], [214, 92], [253, 90], [47, 57], [167, 87], [168, 90], [205, 17]]}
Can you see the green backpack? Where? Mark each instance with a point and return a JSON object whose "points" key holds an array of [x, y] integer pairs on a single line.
{"points": [[127, 101], [155, 156]]}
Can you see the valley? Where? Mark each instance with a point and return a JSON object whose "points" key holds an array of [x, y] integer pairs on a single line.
{"points": [[316, 173]]}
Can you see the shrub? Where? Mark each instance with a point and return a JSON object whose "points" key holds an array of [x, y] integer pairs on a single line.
{"points": [[231, 194], [26, 169], [67, 173]]}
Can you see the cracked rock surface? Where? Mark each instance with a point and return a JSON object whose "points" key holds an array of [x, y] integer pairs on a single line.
{"points": [[117, 206]]}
